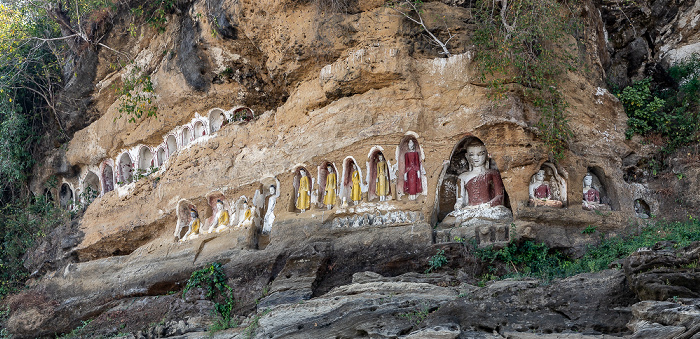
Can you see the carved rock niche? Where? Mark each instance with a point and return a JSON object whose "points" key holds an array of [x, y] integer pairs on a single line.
{"points": [[547, 187]]}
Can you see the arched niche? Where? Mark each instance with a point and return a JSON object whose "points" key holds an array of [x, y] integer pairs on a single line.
{"points": [[346, 183], [642, 209], [126, 169], [401, 150], [91, 186], [242, 114], [160, 156], [216, 120], [321, 180], [186, 136], [145, 158], [171, 144], [199, 130], [108, 178], [184, 207], [606, 191], [373, 170], [66, 197], [209, 216], [449, 183], [548, 187], [296, 185]]}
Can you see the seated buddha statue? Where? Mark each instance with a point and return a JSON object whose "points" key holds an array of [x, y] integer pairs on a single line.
{"points": [[540, 192], [481, 193], [221, 219]]}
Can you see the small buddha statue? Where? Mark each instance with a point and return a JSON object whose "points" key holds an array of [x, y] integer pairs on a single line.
{"points": [[481, 191], [356, 192], [541, 193], [221, 219], [270, 212], [382, 188], [246, 215], [591, 196], [329, 195], [303, 194], [194, 225], [412, 182]]}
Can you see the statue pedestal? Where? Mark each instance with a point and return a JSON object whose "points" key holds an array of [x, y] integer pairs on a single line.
{"points": [[485, 230]]}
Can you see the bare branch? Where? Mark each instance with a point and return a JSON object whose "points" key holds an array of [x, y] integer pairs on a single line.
{"points": [[413, 7]]}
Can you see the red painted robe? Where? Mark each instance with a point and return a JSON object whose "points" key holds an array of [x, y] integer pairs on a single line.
{"points": [[413, 184], [485, 188], [542, 192], [592, 195]]}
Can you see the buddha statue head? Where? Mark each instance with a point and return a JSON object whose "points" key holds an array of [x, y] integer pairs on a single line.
{"points": [[302, 172], [381, 157], [588, 181], [411, 146], [476, 156], [273, 190], [193, 213], [219, 205], [330, 169]]}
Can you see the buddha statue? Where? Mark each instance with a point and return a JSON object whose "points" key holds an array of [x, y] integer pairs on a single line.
{"points": [[246, 215], [330, 195], [481, 191], [356, 192], [303, 193], [412, 182], [540, 192], [270, 212], [591, 196], [221, 219], [194, 226], [382, 188]]}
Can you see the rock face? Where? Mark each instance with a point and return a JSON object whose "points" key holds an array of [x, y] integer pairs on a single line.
{"points": [[250, 92]]}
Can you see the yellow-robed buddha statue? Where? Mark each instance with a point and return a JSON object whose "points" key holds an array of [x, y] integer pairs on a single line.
{"points": [[382, 185], [356, 195], [331, 183], [303, 195]]}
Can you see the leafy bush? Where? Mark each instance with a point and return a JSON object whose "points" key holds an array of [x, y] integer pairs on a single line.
{"points": [[537, 260], [213, 280], [673, 112], [21, 225], [523, 42], [437, 261]]}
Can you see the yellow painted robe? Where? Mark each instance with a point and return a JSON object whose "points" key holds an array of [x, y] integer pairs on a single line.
{"points": [[382, 188], [303, 201], [195, 226], [223, 219], [331, 183], [247, 214], [356, 193]]}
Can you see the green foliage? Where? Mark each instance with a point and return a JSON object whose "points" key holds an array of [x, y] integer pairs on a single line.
{"points": [[530, 259], [254, 324], [77, 332], [590, 229], [521, 42], [21, 224], [213, 280], [136, 96], [673, 113], [436, 261], [417, 317]]}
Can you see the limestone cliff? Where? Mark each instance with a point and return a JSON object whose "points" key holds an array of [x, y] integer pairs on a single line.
{"points": [[250, 92]]}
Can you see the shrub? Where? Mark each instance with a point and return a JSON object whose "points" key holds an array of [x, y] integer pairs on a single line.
{"points": [[437, 261], [537, 260], [213, 280], [672, 112]]}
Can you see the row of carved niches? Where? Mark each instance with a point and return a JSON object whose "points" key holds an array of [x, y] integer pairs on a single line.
{"points": [[219, 214], [347, 187], [547, 188], [472, 191]]}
